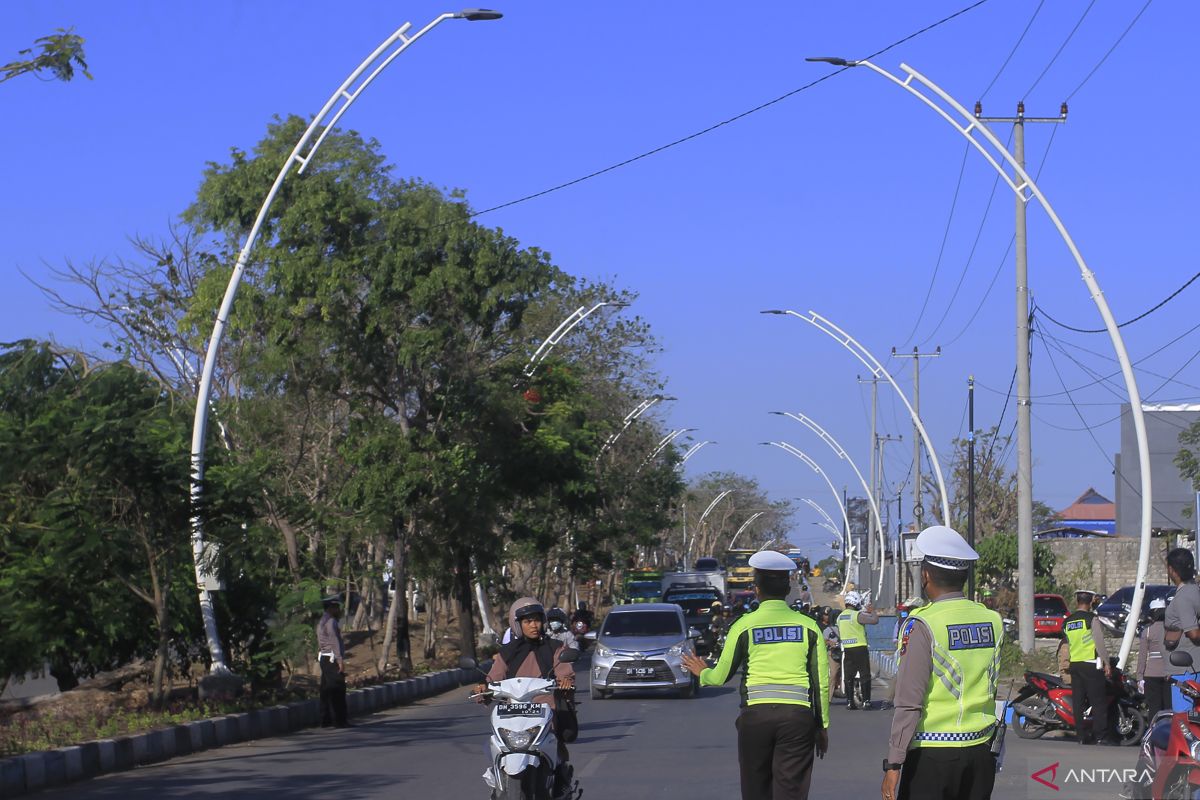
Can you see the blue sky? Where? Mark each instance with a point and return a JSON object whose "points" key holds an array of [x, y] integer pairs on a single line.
{"points": [[835, 199]]}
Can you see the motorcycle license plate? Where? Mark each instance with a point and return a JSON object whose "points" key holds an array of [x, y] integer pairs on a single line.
{"points": [[640, 672], [519, 709]]}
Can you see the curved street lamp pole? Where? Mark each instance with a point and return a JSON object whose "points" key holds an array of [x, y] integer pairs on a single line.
{"points": [[1026, 189], [687, 546], [842, 454], [662, 445], [815, 506], [877, 370], [694, 449], [847, 541], [749, 521], [639, 409], [324, 121], [565, 327]]}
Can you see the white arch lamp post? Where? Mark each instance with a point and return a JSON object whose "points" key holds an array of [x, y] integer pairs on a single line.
{"points": [[324, 121], [565, 327], [749, 521], [815, 506], [694, 449], [1026, 189], [687, 555], [848, 542], [662, 445], [640, 409], [877, 370], [842, 454]]}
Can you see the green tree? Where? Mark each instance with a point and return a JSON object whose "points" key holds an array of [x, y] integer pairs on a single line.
{"points": [[94, 512], [997, 566], [59, 54]]}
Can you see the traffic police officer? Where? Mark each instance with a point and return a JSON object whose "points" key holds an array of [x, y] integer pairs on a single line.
{"points": [[1085, 638], [945, 718], [785, 686], [856, 656]]}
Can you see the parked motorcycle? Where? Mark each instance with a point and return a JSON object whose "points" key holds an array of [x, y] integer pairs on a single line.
{"points": [[523, 745], [1044, 704], [832, 585], [1169, 764]]}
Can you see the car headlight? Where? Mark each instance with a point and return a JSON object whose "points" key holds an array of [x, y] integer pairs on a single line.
{"points": [[519, 740], [603, 652], [678, 649]]}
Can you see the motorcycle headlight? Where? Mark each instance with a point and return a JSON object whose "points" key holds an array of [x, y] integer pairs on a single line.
{"points": [[603, 652], [519, 740]]}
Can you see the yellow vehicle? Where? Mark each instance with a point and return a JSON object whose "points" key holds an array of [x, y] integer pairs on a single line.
{"points": [[738, 572]]}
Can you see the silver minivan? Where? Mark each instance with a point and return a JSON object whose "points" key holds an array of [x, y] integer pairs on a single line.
{"points": [[641, 647]]}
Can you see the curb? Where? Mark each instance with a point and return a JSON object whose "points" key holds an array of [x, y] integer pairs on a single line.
{"points": [[32, 772]]}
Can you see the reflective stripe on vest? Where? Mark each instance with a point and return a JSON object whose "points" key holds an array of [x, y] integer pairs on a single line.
{"points": [[777, 693], [853, 632], [1078, 628], [959, 708]]}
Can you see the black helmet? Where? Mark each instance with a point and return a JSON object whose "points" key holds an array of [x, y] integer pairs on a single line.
{"points": [[582, 606], [530, 610], [556, 614]]}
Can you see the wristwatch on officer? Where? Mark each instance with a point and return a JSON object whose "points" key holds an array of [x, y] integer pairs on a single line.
{"points": [[888, 766]]}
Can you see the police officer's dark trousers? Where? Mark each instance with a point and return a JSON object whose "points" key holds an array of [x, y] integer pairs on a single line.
{"points": [[1158, 695], [333, 693], [1087, 688], [948, 773], [856, 665], [775, 751]]}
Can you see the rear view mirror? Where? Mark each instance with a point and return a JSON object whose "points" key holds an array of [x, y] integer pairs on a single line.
{"points": [[568, 654], [590, 636], [1181, 658], [693, 633], [467, 662]]}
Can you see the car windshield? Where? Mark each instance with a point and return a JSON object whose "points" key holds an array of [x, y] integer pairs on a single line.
{"points": [[707, 564], [1124, 595], [642, 623], [1049, 607], [737, 560], [645, 589]]}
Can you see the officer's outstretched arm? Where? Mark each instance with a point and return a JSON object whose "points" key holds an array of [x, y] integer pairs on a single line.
{"points": [[732, 657]]}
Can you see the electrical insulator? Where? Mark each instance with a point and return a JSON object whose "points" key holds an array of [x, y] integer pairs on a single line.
{"points": [[1020, 108], [978, 108], [1063, 110]]}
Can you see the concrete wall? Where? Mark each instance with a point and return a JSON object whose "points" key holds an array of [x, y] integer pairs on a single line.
{"points": [[1106, 565], [1171, 493]]}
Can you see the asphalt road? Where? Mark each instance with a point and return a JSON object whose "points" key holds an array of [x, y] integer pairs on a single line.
{"points": [[630, 746]]}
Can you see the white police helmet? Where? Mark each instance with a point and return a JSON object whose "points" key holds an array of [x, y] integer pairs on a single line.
{"points": [[853, 599]]}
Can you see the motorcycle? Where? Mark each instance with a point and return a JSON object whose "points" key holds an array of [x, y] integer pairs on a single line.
{"points": [[580, 627], [1169, 764], [523, 745], [832, 585], [1044, 704]]}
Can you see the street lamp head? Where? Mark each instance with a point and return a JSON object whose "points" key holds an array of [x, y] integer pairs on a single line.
{"points": [[834, 60], [778, 413], [776, 311], [478, 14]]}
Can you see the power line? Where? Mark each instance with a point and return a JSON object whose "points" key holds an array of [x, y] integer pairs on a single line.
{"points": [[1002, 413], [1013, 52], [1092, 435], [971, 256], [1011, 241], [1061, 47], [722, 123], [945, 237], [1110, 50], [1141, 316]]}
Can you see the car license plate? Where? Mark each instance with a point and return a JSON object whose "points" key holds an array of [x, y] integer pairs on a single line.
{"points": [[640, 672], [519, 709]]}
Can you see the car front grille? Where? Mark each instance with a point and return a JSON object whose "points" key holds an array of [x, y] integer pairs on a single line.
{"points": [[660, 671]]}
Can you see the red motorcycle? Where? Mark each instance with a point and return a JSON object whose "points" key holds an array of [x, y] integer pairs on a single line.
{"points": [[1044, 704], [1169, 764]]}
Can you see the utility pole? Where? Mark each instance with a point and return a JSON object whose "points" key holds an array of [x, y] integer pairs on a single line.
{"points": [[918, 507], [877, 488], [1024, 436], [916, 356], [872, 545], [971, 478]]}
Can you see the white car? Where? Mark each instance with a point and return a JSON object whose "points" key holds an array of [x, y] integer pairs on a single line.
{"points": [[641, 647]]}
